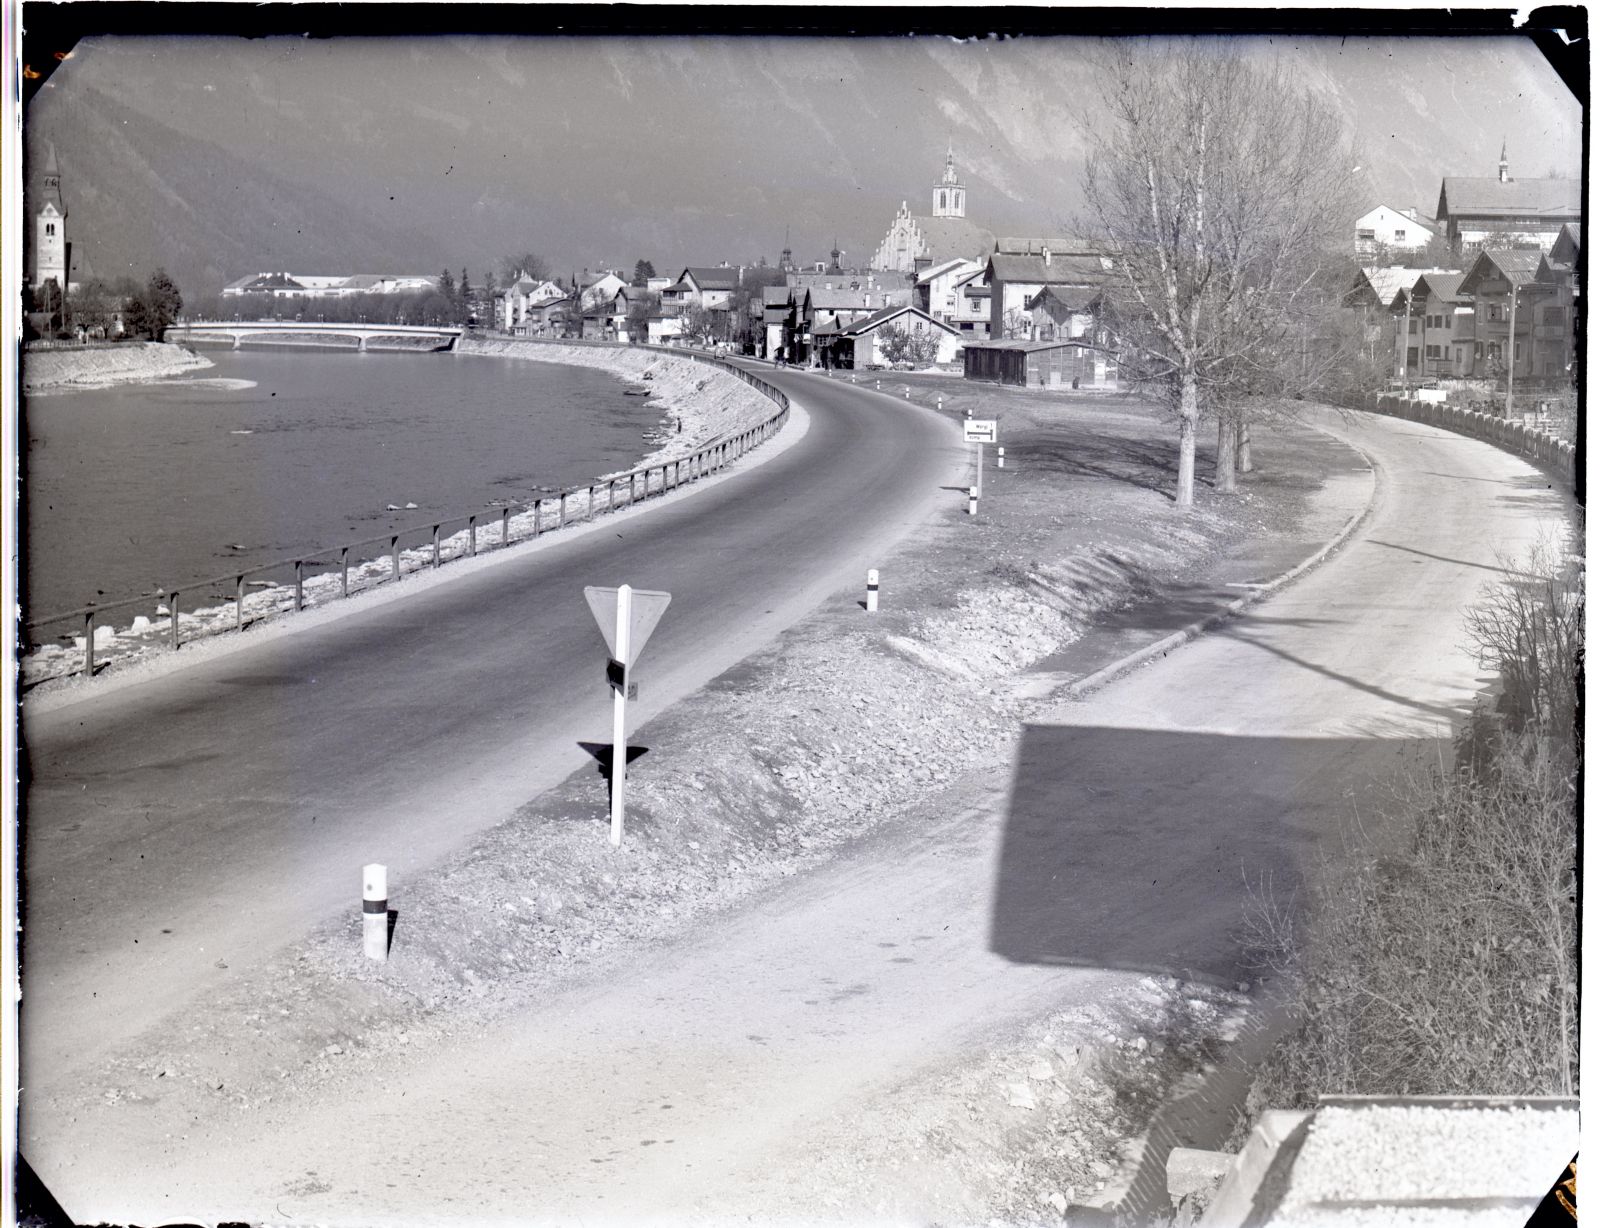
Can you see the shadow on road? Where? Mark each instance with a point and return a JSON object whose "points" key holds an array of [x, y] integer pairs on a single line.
{"points": [[1139, 849]]}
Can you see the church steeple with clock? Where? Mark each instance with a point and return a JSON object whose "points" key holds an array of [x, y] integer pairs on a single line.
{"points": [[51, 252]]}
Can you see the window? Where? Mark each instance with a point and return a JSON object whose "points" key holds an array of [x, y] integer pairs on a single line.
{"points": [[1367, 236], [1399, 236], [50, 229], [1458, 355], [1516, 352]]}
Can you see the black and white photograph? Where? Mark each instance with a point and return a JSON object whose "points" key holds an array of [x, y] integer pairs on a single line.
{"points": [[639, 616]]}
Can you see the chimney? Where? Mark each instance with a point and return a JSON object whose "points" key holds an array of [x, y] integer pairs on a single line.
{"points": [[1047, 256]]}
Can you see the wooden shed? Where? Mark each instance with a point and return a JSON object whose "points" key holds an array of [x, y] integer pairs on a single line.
{"points": [[1041, 364]]}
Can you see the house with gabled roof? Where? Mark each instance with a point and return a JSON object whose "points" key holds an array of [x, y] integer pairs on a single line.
{"points": [[1016, 277], [1507, 298], [705, 287], [861, 343], [1385, 227], [1440, 323], [1503, 212]]}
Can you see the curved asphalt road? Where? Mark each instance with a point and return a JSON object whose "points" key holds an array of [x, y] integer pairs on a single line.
{"points": [[222, 810]]}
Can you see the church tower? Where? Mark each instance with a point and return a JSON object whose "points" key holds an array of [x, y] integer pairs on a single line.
{"points": [[50, 249], [949, 194]]}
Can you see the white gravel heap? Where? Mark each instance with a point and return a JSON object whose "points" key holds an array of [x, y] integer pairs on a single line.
{"points": [[97, 366]]}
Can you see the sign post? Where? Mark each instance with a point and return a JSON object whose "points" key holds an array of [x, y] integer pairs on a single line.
{"points": [[980, 431], [626, 616]]}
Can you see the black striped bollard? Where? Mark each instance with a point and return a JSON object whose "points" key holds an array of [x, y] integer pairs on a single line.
{"points": [[375, 911], [872, 591], [972, 500]]}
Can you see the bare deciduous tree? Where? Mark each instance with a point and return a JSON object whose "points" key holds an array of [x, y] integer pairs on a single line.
{"points": [[1221, 193]]}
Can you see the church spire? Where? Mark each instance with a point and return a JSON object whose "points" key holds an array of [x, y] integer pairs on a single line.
{"points": [[949, 194], [1505, 167]]}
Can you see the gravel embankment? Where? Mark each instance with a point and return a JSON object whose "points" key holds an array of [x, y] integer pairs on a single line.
{"points": [[126, 363]]}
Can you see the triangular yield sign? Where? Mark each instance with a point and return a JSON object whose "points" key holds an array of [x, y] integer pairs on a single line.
{"points": [[645, 608]]}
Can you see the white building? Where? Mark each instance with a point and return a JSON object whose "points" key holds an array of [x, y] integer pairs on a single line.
{"points": [[323, 285], [1383, 227]]}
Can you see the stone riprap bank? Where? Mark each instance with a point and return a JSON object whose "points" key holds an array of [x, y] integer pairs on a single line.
{"points": [[96, 366]]}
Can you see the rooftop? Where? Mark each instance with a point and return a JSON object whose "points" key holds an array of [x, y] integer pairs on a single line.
{"points": [[1490, 197]]}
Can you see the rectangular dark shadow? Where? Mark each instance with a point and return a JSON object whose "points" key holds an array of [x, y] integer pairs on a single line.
{"points": [[1135, 849]]}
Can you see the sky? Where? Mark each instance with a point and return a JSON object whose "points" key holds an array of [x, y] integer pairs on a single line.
{"points": [[596, 152]]}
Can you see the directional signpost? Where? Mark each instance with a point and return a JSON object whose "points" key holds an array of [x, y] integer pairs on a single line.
{"points": [[980, 431], [626, 616]]}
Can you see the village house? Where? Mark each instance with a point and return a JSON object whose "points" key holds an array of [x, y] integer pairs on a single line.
{"points": [[1504, 213], [825, 314], [1558, 270], [1371, 297], [1394, 229], [867, 342], [1065, 313], [919, 241], [1020, 268], [1440, 326], [939, 292], [512, 305], [1507, 301]]}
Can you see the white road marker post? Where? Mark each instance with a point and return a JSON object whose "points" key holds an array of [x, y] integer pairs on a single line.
{"points": [[619, 714], [999, 458], [626, 617], [375, 911], [972, 500], [872, 591]]}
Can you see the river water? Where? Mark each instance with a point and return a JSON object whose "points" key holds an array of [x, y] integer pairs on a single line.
{"points": [[144, 486]]}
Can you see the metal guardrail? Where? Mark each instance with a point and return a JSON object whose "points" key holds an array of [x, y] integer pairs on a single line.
{"points": [[577, 504]]}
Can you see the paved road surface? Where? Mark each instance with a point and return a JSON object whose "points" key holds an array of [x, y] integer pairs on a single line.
{"points": [[233, 803], [696, 1081]]}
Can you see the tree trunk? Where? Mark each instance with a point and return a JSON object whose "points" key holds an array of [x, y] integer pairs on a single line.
{"points": [[1244, 465], [1188, 416], [1227, 444]]}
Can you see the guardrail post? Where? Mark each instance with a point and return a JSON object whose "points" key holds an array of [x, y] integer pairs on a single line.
{"points": [[172, 604], [344, 571], [394, 554], [238, 596], [611, 495], [88, 644], [537, 504], [472, 535], [561, 514], [299, 585], [436, 545], [505, 525]]}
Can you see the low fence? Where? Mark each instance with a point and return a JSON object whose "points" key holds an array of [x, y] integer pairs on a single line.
{"points": [[1555, 456], [244, 597]]}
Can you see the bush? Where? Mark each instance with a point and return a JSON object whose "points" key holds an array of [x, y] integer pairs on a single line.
{"points": [[1450, 967]]}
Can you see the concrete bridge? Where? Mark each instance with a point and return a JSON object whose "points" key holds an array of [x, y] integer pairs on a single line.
{"points": [[237, 333]]}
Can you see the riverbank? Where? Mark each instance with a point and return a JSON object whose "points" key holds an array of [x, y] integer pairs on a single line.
{"points": [[129, 362], [698, 403]]}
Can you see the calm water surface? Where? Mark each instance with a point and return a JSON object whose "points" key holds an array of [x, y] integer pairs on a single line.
{"points": [[147, 486]]}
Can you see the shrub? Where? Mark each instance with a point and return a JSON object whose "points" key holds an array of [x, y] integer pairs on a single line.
{"points": [[1450, 966]]}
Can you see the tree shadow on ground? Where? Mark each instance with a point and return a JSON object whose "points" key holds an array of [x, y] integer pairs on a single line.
{"points": [[1146, 464]]}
